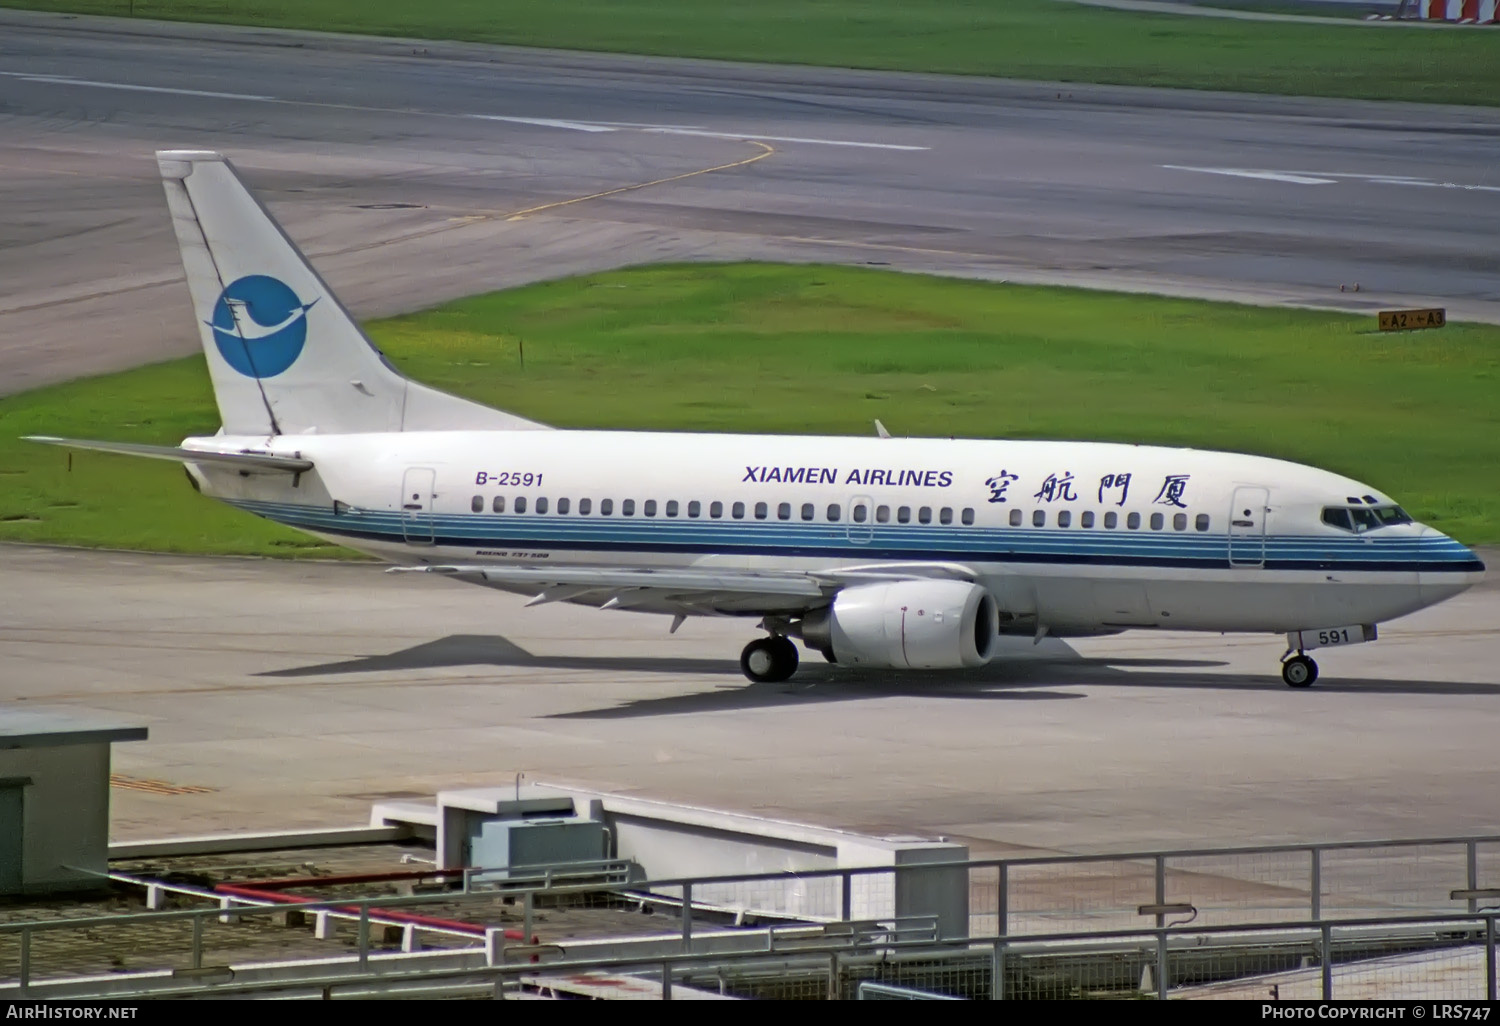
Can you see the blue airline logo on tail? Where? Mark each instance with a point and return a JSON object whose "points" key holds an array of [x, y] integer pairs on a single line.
{"points": [[260, 325]]}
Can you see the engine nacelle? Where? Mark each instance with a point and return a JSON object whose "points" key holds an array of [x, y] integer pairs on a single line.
{"points": [[918, 625]]}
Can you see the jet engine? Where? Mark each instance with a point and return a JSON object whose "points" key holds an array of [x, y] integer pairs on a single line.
{"points": [[918, 625]]}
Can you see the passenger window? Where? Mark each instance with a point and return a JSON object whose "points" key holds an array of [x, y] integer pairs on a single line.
{"points": [[671, 507], [648, 508], [968, 516], [1201, 522], [1133, 521], [1111, 520], [945, 515], [808, 511], [520, 506], [924, 515], [833, 512], [1015, 518], [694, 508], [903, 515], [563, 505], [1039, 518], [1179, 521], [1086, 519], [585, 507], [1064, 518], [783, 511], [627, 508], [541, 505], [715, 510], [477, 504], [1157, 520], [738, 511], [860, 513], [606, 507], [499, 504], [760, 510], [882, 514]]}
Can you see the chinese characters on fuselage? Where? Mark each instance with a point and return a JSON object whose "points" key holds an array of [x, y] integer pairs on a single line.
{"points": [[1171, 491], [1113, 488], [1057, 489], [999, 483], [1113, 483]]}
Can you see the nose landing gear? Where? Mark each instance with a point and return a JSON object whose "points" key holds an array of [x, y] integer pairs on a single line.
{"points": [[1299, 671], [769, 660]]}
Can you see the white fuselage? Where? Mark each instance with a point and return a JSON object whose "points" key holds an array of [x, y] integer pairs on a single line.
{"points": [[1072, 537]]}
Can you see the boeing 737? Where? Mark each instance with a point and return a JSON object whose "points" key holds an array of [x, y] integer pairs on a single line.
{"points": [[876, 552]]}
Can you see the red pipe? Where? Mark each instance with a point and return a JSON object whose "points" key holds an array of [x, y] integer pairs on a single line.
{"points": [[314, 881], [391, 914]]}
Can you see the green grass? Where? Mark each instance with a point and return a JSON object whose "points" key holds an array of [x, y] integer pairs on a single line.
{"points": [[1032, 39], [825, 350]]}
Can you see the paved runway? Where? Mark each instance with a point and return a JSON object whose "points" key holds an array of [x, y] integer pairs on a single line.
{"points": [[302, 693], [391, 168]]}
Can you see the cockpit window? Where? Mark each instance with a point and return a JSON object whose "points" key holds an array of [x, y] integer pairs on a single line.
{"points": [[1359, 519], [1335, 516]]}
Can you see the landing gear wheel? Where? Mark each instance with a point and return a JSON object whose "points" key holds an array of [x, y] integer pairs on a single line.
{"points": [[769, 660], [1299, 672]]}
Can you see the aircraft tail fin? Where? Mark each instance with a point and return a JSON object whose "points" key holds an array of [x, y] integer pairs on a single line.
{"points": [[284, 354]]}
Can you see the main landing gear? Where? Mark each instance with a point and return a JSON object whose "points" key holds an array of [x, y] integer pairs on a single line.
{"points": [[769, 660], [1299, 671]]}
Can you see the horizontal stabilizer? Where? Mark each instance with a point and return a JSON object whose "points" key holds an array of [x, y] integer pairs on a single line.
{"points": [[246, 460]]}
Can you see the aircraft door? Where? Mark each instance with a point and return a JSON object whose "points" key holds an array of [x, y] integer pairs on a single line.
{"points": [[418, 490], [1247, 527], [861, 519]]}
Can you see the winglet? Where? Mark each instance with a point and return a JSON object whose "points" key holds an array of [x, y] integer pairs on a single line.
{"points": [[880, 429]]}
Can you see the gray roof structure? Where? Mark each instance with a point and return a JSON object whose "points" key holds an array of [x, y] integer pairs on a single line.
{"points": [[40, 728]]}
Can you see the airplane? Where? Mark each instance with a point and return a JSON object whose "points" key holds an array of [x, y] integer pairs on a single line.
{"points": [[876, 552]]}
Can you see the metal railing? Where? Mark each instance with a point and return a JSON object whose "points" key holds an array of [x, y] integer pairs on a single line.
{"points": [[1064, 896], [867, 991], [1418, 876], [995, 967]]}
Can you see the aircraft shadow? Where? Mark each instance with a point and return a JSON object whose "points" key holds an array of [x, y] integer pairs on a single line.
{"points": [[494, 650], [1023, 674]]}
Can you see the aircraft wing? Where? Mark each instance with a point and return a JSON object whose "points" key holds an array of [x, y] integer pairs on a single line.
{"points": [[689, 591], [247, 460]]}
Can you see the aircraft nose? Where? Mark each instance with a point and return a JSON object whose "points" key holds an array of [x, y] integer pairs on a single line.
{"points": [[1449, 567]]}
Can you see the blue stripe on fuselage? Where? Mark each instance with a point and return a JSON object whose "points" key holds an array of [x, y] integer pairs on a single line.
{"points": [[885, 541]]}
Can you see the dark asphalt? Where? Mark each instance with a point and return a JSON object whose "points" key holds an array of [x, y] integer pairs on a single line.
{"points": [[387, 165]]}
